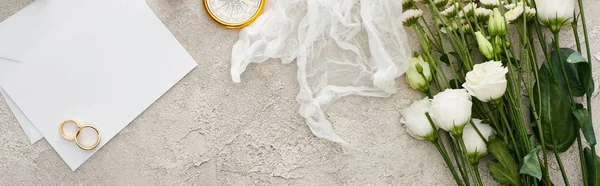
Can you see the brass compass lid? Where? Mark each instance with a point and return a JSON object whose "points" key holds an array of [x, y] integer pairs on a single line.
{"points": [[234, 13]]}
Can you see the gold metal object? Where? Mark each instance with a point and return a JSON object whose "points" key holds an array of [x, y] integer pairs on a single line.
{"points": [[232, 7], [79, 128], [84, 147], [62, 133]]}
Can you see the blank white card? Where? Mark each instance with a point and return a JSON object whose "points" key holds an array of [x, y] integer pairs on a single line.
{"points": [[103, 68]]}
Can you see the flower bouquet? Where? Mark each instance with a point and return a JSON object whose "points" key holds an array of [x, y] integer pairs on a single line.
{"points": [[495, 84]]}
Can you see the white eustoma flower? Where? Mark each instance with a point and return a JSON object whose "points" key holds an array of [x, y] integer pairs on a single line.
{"points": [[487, 81], [529, 12], [466, 28], [451, 110], [418, 74], [515, 10], [555, 13], [415, 121], [490, 3], [469, 9], [514, 14], [512, 5], [451, 11], [440, 3], [411, 16], [483, 14], [475, 146]]}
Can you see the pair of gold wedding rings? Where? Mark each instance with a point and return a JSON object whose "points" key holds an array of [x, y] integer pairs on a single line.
{"points": [[75, 137]]}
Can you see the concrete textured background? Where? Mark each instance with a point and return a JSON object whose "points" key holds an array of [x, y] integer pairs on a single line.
{"points": [[208, 130]]}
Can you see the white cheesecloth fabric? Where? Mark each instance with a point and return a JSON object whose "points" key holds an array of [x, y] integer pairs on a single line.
{"points": [[341, 47]]}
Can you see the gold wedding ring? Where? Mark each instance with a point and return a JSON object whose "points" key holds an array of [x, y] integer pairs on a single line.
{"points": [[84, 147], [62, 132], [75, 138]]}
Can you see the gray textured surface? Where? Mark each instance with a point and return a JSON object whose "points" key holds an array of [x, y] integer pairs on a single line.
{"points": [[209, 131]]}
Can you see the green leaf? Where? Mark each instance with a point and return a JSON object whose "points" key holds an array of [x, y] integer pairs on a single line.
{"points": [[585, 122], [531, 164], [505, 170], [558, 124], [445, 59], [576, 57], [577, 71], [583, 71], [514, 61]]}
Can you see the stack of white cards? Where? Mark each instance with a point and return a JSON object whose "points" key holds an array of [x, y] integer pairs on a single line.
{"points": [[102, 62]]}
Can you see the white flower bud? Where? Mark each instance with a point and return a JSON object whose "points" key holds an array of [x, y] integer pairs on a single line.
{"points": [[475, 146], [418, 80]]}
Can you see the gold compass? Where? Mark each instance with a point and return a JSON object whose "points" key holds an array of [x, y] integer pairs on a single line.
{"points": [[234, 13]]}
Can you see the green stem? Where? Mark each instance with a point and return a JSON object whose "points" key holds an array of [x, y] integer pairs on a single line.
{"points": [[494, 121], [442, 149], [562, 168], [463, 149], [437, 63], [457, 159], [516, 91], [431, 60], [576, 33], [562, 66], [477, 174], [581, 159], [585, 33], [444, 154], [430, 35], [512, 137], [594, 173], [538, 121], [589, 58]]}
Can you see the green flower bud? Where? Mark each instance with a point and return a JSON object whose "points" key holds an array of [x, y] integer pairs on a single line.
{"points": [[419, 68], [497, 43], [485, 47], [418, 74], [496, 24]]}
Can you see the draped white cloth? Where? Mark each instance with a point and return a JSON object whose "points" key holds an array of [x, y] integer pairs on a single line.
{"points": [[341, 47]]}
